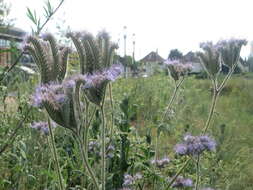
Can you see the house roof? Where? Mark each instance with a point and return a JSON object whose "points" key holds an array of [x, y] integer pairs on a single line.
{"points": [[191, 57], [11, 33], [152, 57]]}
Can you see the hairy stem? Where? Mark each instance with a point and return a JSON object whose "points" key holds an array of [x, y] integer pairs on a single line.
{"points": [[211, 112], [103, 147], [197, 173], [86, 131], [172, 98], [86, 162], [55, 155], [112, 116], [178, 173]]}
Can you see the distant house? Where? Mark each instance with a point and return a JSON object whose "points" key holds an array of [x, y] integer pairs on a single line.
{"points": [[9, 35], [151, 63], [194, 60]]}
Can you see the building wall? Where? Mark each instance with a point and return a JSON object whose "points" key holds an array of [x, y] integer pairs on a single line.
{"points": [[5, 57]]}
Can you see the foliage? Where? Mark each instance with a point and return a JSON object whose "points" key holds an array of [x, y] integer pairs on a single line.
{"points": [[4, 14], [175, 54]]}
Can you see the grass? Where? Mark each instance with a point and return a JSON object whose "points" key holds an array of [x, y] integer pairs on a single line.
{"points": [[28, 164]]}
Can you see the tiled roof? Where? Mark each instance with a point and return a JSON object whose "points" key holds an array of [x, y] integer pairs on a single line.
{"points": [[152, 57], [11, 33]]}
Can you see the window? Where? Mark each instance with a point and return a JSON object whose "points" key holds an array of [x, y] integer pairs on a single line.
{"points": [[4, 43]]}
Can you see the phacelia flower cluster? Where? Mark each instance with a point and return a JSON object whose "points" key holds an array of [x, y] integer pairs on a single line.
{"points": [[161, 163], [182, 182], [94, 148], [130, 180], [42, 127], [52, 94], [96, 79], [195, 145], [178, 69], [230, 50]]}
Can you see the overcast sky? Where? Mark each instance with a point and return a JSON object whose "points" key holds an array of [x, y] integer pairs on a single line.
{"points": [[158, 24]]}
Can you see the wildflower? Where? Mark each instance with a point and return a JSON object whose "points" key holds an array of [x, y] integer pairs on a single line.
{"points": [[230, 50], [195, 145], [42, 127], [70, 83], [177, 68], [182, 182], [52, 94], [130, 180], [161, 163], [180, 149], [210, 58], [93, 146], [98, 78], [110, 151]]}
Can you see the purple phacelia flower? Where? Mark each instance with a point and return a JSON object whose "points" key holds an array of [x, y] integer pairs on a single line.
{"points": [[96, 79], [182, 182], [177, 68], [52, 94], [130, 180], [42, 127], [180, 149], [70, 83], [110, 151], [195, 145], [161, 163]]}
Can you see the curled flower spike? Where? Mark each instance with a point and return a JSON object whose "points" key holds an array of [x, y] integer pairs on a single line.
{"points": [[182, 182], [42, 127], [49, 57], [161, 163], [210, 58], [96, 79], [57, 99], [178, 69], [96, 59], [96, 83], [230, 50], [195, 145]]}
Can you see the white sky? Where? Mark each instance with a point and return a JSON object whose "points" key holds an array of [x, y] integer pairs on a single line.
{"points": [[158, 24]]}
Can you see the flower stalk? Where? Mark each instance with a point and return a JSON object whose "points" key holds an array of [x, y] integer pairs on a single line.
{"points": [[55, 155]]}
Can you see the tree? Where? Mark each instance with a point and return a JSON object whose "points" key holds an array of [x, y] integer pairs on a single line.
{"points": [[4, 13], [175, 54]]}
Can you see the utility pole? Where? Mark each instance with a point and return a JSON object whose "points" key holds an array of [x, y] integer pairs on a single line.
{"points": [[125, 36], [133, 58]]}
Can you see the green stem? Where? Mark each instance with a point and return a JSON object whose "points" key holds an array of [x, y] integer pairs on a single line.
{"points": [[103, 147], [86, 162], [55, 155], [112, 108], [156, 148], [197, 173], [86, 131], [228, 76], [178, 173], [172, 98], [211, 112]]}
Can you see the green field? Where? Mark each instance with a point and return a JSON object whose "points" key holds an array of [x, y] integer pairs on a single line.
{"points": [[27, 163]]}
